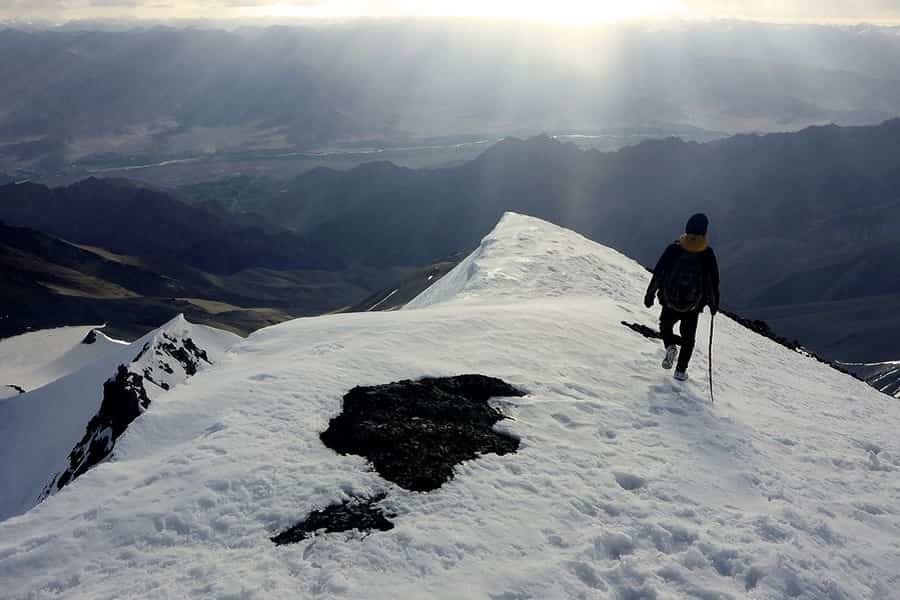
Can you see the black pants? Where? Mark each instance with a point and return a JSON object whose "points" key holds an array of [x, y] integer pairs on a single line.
{"points": [[688, 331]]}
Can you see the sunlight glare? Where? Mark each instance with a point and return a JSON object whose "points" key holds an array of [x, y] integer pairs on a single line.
{"points": [[568, 12]]}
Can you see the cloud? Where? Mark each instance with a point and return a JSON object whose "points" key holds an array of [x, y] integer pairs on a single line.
{"points": [[806, 10], [777, 10]]}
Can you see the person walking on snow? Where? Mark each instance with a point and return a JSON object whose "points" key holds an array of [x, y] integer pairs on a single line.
{"points": [[686, 279]]}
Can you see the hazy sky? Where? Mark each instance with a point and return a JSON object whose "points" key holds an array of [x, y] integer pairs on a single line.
{"points": [[560, 11]]}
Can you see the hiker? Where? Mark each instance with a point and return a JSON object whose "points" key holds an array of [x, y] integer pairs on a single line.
{"points": [[686, 279]]}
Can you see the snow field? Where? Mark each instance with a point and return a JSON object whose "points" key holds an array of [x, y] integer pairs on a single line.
{"points": [[626, 484], [33, 360]]}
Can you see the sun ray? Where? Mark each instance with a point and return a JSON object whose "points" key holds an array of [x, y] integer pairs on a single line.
{"points": [[569, 12]]}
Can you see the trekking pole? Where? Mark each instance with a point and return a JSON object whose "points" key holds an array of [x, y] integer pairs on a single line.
{"points": [[712, 321]]}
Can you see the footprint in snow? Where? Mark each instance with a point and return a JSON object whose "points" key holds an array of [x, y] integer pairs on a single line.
{"points": [[263, 377], [629, 481], [675, 410]]}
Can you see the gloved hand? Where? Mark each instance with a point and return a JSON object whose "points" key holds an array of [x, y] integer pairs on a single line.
{"points": [[648, 300]]}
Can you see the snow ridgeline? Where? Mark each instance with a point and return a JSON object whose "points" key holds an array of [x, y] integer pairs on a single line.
{"points": [[624, 485], [527, 259], [64, 428], [33, 360]]}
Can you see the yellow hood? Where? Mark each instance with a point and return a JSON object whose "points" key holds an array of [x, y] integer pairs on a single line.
{"points": [[693, 243]]}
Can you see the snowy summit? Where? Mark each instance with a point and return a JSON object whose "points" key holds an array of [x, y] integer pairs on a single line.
{"points": [[614, 481]]}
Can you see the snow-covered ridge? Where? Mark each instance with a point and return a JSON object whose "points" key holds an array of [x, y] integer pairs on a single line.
{"points": [[624, 485], [32, 360], [526, 259], [62, 429]]}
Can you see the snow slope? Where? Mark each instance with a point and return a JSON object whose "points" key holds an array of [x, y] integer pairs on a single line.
{"points": [[626, 485], [40, 428], [32, 360]]}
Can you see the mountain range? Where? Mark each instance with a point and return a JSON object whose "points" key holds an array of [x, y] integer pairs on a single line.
{"points": [[804, 223], [117, 252]]}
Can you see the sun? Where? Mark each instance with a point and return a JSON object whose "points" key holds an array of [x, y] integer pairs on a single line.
{"points": [[568, 12]]}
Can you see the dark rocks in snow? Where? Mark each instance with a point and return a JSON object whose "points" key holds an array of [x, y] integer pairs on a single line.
{"points": [[168, 351], [90, 338], [415, 432], [141, 354], [19, 389], [763, 329], [187, 353], [356, 514], [124, 399], [148, 375]]}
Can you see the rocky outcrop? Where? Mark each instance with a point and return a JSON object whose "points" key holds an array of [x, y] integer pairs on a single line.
{"points": [[415, 432], [166, 359], [160, 360], [124, 399]]}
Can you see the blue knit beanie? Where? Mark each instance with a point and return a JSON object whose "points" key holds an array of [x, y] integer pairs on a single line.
{"points": [[697, 225]]}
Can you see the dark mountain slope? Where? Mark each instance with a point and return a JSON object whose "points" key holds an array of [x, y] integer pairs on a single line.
{"points": [[882, 376], [133, 219], [49, 282], [116, 214]]}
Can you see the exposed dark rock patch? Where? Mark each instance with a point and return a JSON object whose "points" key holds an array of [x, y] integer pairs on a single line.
{"points": [[763, 329], [358, 513], [415, 432], [90, 338], [19, 389], [124, 399]]}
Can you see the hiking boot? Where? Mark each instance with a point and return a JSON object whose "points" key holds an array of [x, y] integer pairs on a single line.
{"points": [[681, 375], [671, 355]]}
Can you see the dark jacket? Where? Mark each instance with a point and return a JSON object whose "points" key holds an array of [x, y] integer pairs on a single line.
{"points": [[710, 275]]}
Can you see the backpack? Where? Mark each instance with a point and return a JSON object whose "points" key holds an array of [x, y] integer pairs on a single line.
{"points": [[683, 288]]}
